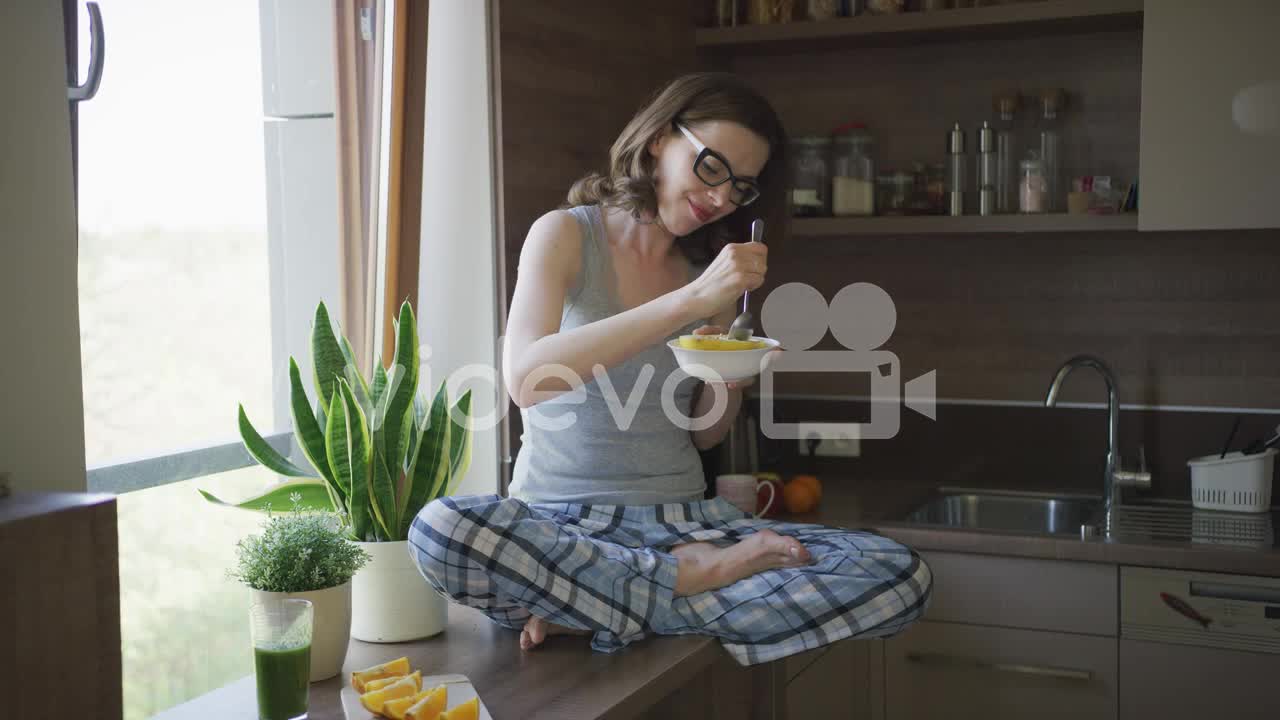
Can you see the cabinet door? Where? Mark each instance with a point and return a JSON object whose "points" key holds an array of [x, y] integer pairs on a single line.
{"points": [[1172, 682], [837, 683], [1210, 141], [945, 670]]}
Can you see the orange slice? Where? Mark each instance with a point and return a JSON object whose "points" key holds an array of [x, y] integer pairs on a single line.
{"points": [[383, 682], [431, 706], [374, 700], [399, 666], [469, 710]]}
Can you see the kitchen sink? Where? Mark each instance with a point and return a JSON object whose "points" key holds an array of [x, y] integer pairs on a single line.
{"points": [[1008, 510]]}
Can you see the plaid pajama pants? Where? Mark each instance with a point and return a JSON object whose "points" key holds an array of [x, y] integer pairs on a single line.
{"points": [[606, 569]]}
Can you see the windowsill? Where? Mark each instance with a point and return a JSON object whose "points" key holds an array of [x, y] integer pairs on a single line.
{"points": [[562, 679]]}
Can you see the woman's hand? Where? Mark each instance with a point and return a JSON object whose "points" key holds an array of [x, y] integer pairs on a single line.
{"points": [[718, 330], [739, 267]]}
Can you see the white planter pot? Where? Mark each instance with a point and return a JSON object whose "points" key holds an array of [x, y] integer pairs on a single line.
{"points": [[391, 601], [331, 610]]}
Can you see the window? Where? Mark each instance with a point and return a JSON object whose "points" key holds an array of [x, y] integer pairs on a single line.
{"points": [[207, 194], [175, 305]]}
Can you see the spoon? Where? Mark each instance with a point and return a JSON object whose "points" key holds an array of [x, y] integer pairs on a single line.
{"points": [[741, 327]]}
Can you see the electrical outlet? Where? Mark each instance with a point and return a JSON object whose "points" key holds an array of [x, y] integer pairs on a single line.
{"points": [[839, 447], [832, 444]]}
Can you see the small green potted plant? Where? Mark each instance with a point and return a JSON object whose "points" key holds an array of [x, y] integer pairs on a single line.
{"points": [[380, 451], [305, 555]]}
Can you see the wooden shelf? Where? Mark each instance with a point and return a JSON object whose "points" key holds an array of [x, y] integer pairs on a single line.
{"points": [[965, 224], [1022, 18]]}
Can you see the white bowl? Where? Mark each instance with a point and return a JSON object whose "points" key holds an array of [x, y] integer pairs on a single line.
{"points": [[722, 365]]}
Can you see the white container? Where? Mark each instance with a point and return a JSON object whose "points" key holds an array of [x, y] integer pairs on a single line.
{"points": [[331, 632], [391, 601], [722, 365], [1237, 482]]}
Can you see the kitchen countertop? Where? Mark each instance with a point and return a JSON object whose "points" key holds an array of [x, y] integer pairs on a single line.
{"points": [[879, 503], [564, 679]]}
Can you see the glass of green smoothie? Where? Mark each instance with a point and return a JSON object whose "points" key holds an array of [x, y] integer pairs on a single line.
{"points": [[281, 631]]}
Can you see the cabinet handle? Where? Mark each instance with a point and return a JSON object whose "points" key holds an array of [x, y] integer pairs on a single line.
{"points": [[939, 659]]}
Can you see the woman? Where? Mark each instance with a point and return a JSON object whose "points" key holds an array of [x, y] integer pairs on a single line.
{"points": [[606, 532]]}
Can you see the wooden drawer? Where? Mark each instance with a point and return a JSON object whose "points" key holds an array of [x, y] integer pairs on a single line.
{"points": [[942, 670], [1023, 593]]}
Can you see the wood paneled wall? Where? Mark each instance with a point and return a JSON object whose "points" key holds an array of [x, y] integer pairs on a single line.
{"points": [[910, 96], [1183, 318], [568, 76], [1188, 318]]}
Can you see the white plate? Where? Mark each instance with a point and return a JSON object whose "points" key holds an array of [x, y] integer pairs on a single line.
{"points": [[460, 691]]}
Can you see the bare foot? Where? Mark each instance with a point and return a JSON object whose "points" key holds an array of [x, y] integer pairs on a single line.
{"points": [[536, 630], [703, 566]]}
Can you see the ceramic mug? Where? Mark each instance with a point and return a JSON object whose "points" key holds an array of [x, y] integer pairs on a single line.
{"points": [[740, 490]]}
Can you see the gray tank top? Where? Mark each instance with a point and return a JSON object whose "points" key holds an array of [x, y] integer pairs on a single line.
{"points": [[599, 458]]}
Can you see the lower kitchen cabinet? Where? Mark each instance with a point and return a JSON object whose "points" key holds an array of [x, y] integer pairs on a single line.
{"points": [[1173, 682], [951, 670], [840, 680]]}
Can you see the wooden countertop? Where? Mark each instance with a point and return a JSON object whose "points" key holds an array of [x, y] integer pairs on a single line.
{"points": [[563, 679], [566, 680]]}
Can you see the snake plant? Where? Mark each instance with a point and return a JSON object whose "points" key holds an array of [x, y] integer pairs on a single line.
{"points": [[381, 450]]}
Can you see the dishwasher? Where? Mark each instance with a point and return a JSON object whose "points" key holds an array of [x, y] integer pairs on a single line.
{"points": [[1198, 645]]}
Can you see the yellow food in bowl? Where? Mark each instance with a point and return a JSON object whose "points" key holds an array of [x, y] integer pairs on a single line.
{"points": [[715, 342]]}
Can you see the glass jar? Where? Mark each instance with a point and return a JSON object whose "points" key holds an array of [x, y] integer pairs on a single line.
{"points": [[822, 9], [810, 176], [894, 196], [853, 171], [1033, 187], [936, 188], [885, 7], [765, 12]]}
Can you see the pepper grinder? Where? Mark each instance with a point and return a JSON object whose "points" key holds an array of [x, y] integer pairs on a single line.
{"points": [[955, 171], [986, 169]]}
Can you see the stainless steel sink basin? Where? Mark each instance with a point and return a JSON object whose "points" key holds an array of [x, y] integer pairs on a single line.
{"points": [[1008, 510]]}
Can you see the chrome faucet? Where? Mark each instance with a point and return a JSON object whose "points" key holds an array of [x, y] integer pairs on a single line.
{"points": [[1114, 477]]}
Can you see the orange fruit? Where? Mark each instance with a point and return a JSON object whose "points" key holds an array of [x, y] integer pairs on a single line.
{"points": [[799, 497], [810, 480]]}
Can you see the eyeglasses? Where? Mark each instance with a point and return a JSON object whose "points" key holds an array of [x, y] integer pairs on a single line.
{"points": [[713, 169]]}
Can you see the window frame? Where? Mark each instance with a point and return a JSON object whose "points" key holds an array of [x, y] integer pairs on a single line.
{"points": [[404, 26]]}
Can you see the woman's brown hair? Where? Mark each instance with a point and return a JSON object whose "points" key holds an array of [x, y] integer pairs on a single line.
{"points": [[692, 99]]}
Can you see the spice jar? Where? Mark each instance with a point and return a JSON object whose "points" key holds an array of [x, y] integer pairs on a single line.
{"points": [[885, 7], [1033, 187], [894, 192], [823, 9], [810, 176], [936, 188], [764, 12], [853, 171], [726, 13]]}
